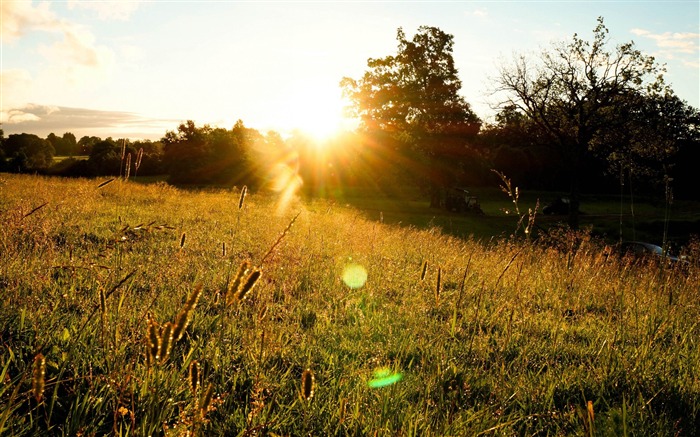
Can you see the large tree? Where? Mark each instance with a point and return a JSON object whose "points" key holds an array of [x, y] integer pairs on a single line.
{"points": [[651, 130], [27, 152], [572, 91], [414, 96]]}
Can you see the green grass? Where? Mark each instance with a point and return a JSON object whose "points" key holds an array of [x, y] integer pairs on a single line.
{"points": [[600, 214], [516, 341], [61, 158]]}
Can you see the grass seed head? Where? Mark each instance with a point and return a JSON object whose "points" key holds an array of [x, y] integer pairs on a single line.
{"points": [[128, 167], [244, 191], [194, 377], [307, 384], [424, 270], [153, 347], [245, 288], [166, 341], [185, 315], [38, 372], [182, 240], [262, 312], [205, 401], [107, 182], [233, 285], [139, 157]]}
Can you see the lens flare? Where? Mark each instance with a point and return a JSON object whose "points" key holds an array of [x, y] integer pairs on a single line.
{"points": [[384, 377], [354, 275]]}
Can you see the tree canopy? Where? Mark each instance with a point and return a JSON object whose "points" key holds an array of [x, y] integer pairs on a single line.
{"points": [[414, 96], [573, 91], [27, 152]]}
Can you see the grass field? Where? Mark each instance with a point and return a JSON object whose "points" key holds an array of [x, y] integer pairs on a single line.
{"points": [[602, 214], [125, 311]]}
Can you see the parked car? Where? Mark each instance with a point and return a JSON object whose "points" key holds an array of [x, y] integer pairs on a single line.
{"points": [[460, 200], [648, 251], [559, 206]]}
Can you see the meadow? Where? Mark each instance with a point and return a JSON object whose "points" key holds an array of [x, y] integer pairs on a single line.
{"points": [[143, 309]]}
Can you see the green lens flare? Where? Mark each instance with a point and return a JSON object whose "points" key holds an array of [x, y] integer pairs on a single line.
{"points": [[354, 275], [384, 377]]}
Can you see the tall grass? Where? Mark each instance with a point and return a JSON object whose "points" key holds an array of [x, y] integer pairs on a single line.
{"points": [[549, 338]]}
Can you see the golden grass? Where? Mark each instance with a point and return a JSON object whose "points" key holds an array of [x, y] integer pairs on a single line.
{"points": [[516, 330]]}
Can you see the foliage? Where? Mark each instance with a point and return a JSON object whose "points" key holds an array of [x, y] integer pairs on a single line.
{"points": [[560, 337], [86, 143], [414, 96], [27, 152], [656, 127], [573, 90], [65, 145], [206, 155]]}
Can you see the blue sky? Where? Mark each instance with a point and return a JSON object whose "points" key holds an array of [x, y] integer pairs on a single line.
{"points": [[136, 69]]}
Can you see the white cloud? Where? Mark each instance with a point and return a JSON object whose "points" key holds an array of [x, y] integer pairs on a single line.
{"points": [[692, 64], [28, 113], [78, 45], [107, 10], [14, 84], [480, 12], [673, 42], [14, 81], [43, 119], [18, 17], [75, 60]]}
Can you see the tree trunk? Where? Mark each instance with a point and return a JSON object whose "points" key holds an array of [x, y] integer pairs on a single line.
{"points": [[575, 195], [435, 196]]}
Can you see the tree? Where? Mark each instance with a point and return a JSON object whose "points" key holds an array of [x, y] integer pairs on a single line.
{"points": [[86, 144], [211, 155], [70, 143], [656, 127], [185, 152], [56, 143], [106, 156], [414, 97], [27, 152], [572, 91]]}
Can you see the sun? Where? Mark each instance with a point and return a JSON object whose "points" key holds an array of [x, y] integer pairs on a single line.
{"points": [[316, 112]]}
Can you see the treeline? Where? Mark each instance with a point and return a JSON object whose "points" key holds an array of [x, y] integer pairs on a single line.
{"points": [[88, 157], [190, 154], [205, 155]]}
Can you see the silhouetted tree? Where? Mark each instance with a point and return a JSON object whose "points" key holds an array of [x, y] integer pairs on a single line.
{"points": [[185, 153], [56, 143], [70, 143], [205, 155], [651, 129], [65, 145], [414, 97], [27, 152], [152, 159], [106, 157], [86, 143], [571, 92], [229, 160]]}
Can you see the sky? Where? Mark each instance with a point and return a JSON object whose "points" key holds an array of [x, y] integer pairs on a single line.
{"points": [[137, 69]]}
